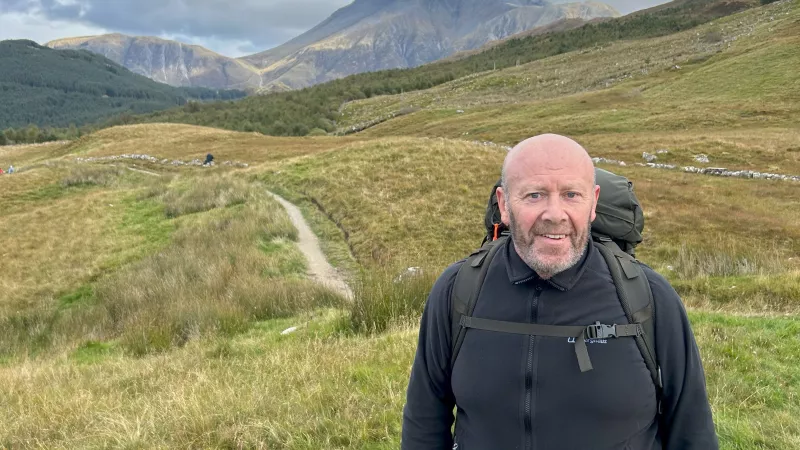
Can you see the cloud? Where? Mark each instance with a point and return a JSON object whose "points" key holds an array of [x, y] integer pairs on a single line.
{"points": [[41, 30], [246, 24], [230, 28]]}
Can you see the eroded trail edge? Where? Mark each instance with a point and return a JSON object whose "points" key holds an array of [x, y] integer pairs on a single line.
{"points": [[318, 266]]}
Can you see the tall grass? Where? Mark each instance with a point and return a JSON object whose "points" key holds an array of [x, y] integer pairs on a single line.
{"points": [[725, 259], [55, 238], [224, 269], [206, 194], [212, 279], [257, 390], [320, 389], [382, 299], [92, 175]]}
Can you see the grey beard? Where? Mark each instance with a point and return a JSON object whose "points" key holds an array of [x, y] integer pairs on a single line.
{"points": [[523, 243]]}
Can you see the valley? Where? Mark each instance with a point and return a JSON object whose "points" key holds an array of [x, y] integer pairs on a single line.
{"points": [[144, 311]]}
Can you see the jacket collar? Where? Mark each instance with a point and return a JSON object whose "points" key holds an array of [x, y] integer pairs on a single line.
{"points": [[520, 272]]}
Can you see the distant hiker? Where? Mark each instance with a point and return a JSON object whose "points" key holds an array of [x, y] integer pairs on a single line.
{"points": [[209, 159], [1, 171], [11, 170], [552, 336]]}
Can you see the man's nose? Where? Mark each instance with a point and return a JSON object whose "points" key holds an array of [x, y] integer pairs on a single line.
{"points": [[554, 210]]}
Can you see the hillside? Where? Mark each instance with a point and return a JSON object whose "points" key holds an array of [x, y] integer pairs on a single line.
{"points": [[369, 35], [559, 25], [148, 302], [299, 112], [638, 85], [168, 62], [345, 383], [361, 37], [47, 87]]}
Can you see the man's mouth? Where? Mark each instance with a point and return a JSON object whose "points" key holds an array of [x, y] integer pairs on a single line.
{"points": [[555, 237]]}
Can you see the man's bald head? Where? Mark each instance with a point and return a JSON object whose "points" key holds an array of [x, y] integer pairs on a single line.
{"points": [[550, 151]]}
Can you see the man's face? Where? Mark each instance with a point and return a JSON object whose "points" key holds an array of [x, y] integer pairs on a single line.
{"points": [[549, 209]]}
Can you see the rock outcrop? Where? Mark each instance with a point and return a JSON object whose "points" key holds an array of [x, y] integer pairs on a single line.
{"points": [[169, 62], [370, 35]]}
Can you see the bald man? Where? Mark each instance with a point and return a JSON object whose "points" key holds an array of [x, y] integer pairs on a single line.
{"points": [[516, 391]]}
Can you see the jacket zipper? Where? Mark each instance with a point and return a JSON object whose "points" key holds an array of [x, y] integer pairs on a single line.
{"points": [[529, 410]]}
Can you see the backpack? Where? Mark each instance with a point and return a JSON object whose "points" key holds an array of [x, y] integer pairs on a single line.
{"points": [[616, 231]]}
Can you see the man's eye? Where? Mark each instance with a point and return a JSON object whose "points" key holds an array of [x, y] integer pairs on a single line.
{"points": [[572, 195], [534, 195]]}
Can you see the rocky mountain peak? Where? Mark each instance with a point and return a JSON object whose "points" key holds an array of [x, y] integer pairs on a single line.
{"points": [[366, 35]]}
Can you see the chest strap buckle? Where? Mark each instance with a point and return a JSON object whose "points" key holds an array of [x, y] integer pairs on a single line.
{"points": [[601, 331]]}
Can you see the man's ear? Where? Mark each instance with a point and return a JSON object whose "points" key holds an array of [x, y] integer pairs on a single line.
{"points": [[502, 204], [596, 199]]}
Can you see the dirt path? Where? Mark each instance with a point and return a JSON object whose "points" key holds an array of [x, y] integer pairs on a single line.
{"points": [[318, 267], [308, 243]]}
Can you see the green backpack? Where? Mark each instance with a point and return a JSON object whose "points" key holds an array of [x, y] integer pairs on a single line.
{"points": [[616, 232]]}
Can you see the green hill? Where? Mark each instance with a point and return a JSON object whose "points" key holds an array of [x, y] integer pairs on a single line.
{"points": [[738, 73], [296, 113], [47, 87]]}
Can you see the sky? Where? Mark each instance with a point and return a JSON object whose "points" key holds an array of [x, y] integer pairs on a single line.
{"points": [[232, 28]]}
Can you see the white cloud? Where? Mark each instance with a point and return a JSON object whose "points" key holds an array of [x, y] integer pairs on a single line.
{"points": [[37, 28], [244, 26]]}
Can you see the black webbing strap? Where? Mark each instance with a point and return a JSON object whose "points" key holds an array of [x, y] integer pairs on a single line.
{"points": [[580, 334]]}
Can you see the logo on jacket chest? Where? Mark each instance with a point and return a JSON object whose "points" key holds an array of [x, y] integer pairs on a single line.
{"points": [[589, 341]]}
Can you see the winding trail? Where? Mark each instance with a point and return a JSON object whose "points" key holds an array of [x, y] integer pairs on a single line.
{"points": [[318, 266]]}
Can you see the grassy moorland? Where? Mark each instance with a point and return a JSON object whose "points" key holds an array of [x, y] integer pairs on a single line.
{"points": [[156, 322], [734, 97], [387, 194], [98, 253], [316, 110], [226, 377]]}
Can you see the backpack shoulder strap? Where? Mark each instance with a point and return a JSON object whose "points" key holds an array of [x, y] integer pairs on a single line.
{"points": [[467, 288], [636, 298]]}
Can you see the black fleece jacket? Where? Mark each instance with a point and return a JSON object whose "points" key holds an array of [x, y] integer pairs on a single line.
{"points": [[525, 392]]}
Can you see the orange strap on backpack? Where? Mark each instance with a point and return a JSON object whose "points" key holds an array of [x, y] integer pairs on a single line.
{"points": [[496, 228]]}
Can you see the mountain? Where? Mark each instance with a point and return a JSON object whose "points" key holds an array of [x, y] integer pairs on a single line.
{"points": [[47, 87], [167, 61], [319, 108], [370, 35], [365, 36]]}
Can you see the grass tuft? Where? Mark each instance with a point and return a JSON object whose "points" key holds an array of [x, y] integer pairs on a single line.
{"points": [[725, 260], [382, 300], [92, 175], [205, 195]]}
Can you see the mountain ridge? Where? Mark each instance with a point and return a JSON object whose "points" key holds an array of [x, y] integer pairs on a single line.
{"points": [[364, 36], [48, 87], [170, 62]]}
